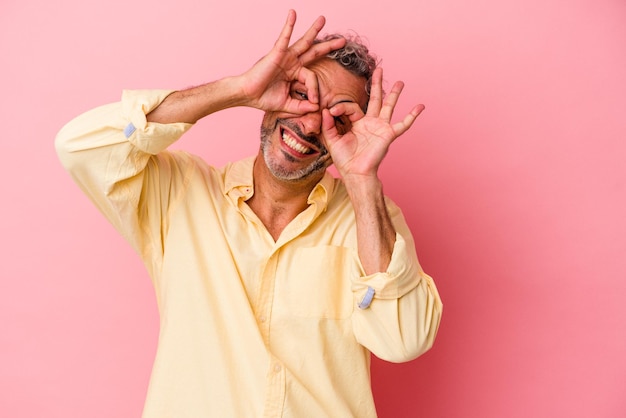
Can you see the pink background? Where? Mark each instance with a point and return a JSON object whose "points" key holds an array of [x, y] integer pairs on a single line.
{"points": [[513, 182]]}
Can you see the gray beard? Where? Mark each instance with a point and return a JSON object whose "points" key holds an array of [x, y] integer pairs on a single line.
{"points": [[274, 167]]}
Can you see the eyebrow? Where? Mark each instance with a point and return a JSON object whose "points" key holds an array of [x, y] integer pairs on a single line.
{"points": [[342, 101]]}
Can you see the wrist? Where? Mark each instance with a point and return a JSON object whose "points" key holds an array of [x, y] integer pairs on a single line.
{"points": [[361, 187], [238, 89], [363, 182], [193, 104]]}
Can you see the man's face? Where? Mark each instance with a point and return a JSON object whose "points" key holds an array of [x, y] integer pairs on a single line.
{"points": [[292, 145]]}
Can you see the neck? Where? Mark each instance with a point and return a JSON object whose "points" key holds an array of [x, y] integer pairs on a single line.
{"points": [[277, 202]]}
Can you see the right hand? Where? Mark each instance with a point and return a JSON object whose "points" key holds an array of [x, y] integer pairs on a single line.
{"points": [[267, 84]]}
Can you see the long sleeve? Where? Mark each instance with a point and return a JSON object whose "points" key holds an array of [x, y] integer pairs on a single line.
{"points": [[106, 151], [399, 310], [247, 323]]}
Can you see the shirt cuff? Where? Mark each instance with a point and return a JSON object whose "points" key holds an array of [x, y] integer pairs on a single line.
{"points": [[149, 137], [402, 276]]}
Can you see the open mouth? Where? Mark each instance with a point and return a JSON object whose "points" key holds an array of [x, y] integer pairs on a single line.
{"points": [[295, 144]]}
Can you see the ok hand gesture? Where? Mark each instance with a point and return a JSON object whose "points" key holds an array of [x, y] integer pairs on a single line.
{"points": [[267, 84], [357, 153]]}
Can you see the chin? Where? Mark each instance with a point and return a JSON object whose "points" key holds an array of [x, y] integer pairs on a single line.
{"points": [[278, 167]]}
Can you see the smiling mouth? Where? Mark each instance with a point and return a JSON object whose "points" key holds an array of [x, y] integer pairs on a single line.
{"points": [[295, 145]]}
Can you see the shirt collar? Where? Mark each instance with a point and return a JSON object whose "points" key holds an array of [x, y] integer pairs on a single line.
{"points": [[238, 183], [238, 179]]}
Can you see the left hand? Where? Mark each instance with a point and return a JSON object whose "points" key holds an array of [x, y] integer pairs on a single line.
{"points": [[359, 151]]}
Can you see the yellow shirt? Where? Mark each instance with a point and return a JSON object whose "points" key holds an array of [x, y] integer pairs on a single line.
{"points": [[249, 327]]}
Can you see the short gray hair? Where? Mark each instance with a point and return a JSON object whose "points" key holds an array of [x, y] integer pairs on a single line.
{"points": [[355, 57]]}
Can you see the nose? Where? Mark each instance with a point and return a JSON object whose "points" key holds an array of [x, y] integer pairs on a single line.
{"points": [[311, 123]]}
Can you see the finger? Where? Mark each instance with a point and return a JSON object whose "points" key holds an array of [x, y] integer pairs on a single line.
{"points": [[321, 49], [306, 41], [376, 93], [391, 100], [401, 127], [282, 43], [350, 109], [300, 107], [296, 107], [329, 129], [309, 79]]}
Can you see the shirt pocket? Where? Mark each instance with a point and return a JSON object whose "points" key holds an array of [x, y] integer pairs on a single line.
{"points": [[318, 282]]}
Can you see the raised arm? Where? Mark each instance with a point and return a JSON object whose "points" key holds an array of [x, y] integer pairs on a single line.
{"points": [[357, 154], [400, 308], [265, 86]]}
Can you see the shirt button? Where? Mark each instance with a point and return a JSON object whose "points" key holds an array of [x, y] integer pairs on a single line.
{"points": [[262, 319], [277, 368]]}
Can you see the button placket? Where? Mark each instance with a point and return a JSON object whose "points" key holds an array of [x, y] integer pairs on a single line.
{"points": [[266, 297], [276, 388]]}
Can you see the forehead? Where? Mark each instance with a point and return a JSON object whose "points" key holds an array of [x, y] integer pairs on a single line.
{"points": [[336, 84]]}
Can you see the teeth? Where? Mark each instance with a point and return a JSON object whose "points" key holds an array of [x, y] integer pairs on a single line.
{"points": [[295, 145]]}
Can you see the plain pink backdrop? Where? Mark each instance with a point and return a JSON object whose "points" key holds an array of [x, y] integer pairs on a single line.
{"points": [[513, 181]]}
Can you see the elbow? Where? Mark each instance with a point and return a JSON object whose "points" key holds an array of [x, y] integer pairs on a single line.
{"points": [[418, 348], [416, 340], [419, 336], [403, 354], [72, 144], [425, 337], [409, 351], [400, 330]]}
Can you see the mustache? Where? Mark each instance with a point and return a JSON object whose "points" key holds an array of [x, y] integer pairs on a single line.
{"points": [[312, 139]]}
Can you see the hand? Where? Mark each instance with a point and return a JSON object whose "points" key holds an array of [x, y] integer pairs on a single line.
{"points": [[267, 84], [359, 151]]}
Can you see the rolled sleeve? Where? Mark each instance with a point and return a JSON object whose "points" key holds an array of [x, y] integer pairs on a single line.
{"points": [[151, 138], [398, 311], [401, 277]]}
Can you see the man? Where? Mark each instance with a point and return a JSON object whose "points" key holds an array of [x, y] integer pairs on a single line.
{"points": [[274, 280]]}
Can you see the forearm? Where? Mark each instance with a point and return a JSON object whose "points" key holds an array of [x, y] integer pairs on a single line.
{"points": [[376, 234], [399, 321], [193, 104], [399, 308]]}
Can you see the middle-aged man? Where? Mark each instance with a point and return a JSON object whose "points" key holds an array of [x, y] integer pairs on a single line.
{"points": [[274, 280]]}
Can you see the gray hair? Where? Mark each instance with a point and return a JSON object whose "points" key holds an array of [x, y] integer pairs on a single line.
{"points": [[354, 57]]}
